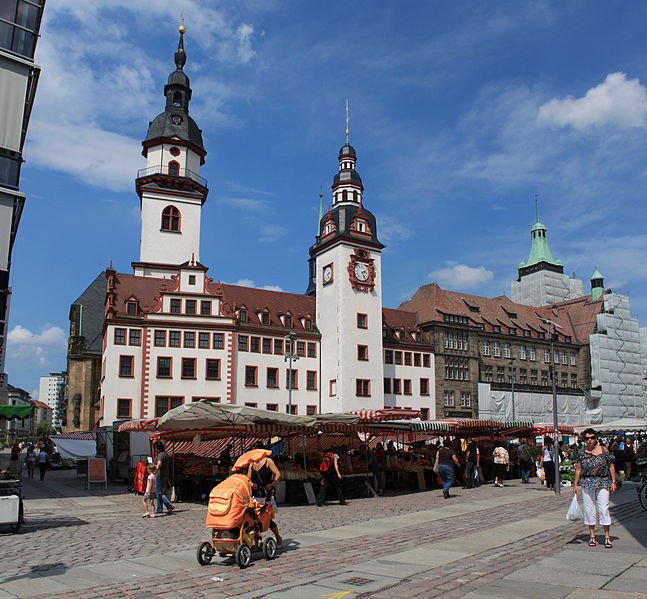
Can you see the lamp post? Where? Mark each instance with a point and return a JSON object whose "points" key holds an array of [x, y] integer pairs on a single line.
{"points": [[553, 326], [289, 357], [512, 384]]}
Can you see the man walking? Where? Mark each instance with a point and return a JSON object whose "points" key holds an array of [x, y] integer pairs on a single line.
{"points": [[472, 463], [525, 461], [162, 462], [330, 478]]}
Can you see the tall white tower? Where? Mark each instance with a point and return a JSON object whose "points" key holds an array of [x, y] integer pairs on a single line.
{"points": [[170, 187], [346, 276]]}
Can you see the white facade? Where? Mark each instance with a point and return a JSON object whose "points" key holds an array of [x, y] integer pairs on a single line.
{"points": [[410, 380], [51, 391], [338, 307], [545, 287]]}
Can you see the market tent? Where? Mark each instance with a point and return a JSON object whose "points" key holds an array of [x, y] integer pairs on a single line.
{"points": [[138, 426], [205, 414], [385, 414], [16, 412], [629, 425], [76, 449]]}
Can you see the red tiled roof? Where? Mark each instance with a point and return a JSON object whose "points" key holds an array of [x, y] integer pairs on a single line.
{"points": [[402, 321], [40, 404], [576, 318]]}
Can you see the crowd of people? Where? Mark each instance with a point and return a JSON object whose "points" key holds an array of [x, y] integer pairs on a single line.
{"points": [[40, 454]]}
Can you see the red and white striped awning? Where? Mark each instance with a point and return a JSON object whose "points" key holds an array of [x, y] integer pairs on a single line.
{"points": [[138, 426], [78, 436], [385, 414]]}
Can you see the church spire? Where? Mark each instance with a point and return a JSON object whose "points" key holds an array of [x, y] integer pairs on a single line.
{"points": [[180, 54], [540, 254], [347, 185]]}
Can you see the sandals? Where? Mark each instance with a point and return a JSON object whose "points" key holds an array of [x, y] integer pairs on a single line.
{"points": [[608, 544], [592, 542]]}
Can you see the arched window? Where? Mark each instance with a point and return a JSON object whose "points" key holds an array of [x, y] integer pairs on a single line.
{"points": [[177, 99], [171, 219], [174, 168], [344, 195], [355, 196]]}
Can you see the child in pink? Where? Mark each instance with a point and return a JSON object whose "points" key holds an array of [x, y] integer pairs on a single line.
{"points": [[148, 500]]}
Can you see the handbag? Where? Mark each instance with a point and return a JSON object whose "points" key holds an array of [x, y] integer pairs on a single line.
{"points": [[541, 475]]}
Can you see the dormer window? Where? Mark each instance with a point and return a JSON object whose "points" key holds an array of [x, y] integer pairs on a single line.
{"points": [[242, 315], [171, 219], [287, 319], [132, 308], [265, 318], [308, 324]]}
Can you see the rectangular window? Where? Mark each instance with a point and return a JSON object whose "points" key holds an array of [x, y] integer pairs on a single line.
{"points": [[213, 369], [506, 350], [362, 321], [203, 340], [496, 349], [124, 408], [398, 358], [311, 410], [311, 380], [448, 399], [176, 306], [531, 354], [500, 374], [160, 338], [188, 368], [273, 378], [387, 386], [407, 386], [424, 413], [120, 336], [301, 349], [522, 352], [564, 358], [572, 358], [126, 366], [397, 386], [533, 377], [564, 379], [424, 386], [272, 407], [388, 356], [291, 409], [242, 315], [466, 400], [488, 375], [164, 368], [363, 388], [189, 306], [308, 324], [218, 341], [205, 308], [131, 308], [332, 387], [486, 348], [251, 373], [251, 404], [243, 341], [265, 318], [267, 345], [544, 378], [426, 360], [189, 339], [362, 352], [573, 381], [174, 339], [312, 350], [134, 337], [556, 357], [255, 345], [293, 380], [546, 356], [407, 358], [191, 279], [164, 404], [416, 359], [278, 347]]}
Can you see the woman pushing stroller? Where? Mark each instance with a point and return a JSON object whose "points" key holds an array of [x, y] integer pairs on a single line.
{"points": [[264, 475]]}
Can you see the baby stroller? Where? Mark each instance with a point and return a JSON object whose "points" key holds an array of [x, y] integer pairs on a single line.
{"points": [[238, 524]]}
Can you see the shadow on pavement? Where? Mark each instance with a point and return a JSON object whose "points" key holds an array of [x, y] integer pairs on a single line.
{"points": [[52, 569], [45, 523]]}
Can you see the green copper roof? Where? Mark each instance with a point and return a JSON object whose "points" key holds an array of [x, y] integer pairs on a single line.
{"points": [[596, 275], [539, 250]]}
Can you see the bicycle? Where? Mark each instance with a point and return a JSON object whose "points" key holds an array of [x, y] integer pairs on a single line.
{"points": [[642, 489]]}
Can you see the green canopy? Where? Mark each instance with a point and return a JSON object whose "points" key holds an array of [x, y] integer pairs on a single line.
{"points": [[16, 412]]}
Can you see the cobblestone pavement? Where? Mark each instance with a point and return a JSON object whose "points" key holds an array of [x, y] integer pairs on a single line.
{"points": [[501, 531]]}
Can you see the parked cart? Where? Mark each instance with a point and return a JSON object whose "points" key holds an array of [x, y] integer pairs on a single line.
{"points": [[11, 508]]}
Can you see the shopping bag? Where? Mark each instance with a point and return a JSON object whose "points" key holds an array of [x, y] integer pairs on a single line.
{"points": [[541, 475], [574, 510]]}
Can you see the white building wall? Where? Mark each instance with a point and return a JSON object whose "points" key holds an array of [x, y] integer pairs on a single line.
{"points": [[616, 366], [415, 400], [337, 307], [49, 393], [545, 287]]}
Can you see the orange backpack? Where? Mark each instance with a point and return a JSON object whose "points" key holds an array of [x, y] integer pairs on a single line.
{"points": [[228, 502]]}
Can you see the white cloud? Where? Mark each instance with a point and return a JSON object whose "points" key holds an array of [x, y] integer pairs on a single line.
{"points": [[618, 101], [244, 203], [391, 230], [50, 336], [38, 349], [461, 276], [250, 283]]}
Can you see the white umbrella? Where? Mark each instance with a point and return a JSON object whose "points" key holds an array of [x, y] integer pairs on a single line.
{"points": [[633, 425]]}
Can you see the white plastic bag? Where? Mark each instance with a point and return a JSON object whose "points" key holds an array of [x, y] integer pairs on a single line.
{"points": [[541, 475], [574, 511]]}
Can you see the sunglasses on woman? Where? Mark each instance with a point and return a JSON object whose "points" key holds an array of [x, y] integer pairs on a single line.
{"points": [[588, 438]]}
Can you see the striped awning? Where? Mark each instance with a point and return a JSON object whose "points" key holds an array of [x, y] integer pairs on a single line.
{"points": [[138, 426], [544, 429], [436, 426], [385, 414], [77, 436]]}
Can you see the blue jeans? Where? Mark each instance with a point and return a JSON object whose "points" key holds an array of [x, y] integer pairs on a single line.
{"points": [[447, 474], [525, 469], [162, 500], [470, 481]]}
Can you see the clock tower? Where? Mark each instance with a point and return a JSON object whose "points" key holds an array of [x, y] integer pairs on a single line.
{"points": [[170, 188], [346, 277]]}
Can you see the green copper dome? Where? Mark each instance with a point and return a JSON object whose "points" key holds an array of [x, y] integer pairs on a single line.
{"points": [[539, 250]]}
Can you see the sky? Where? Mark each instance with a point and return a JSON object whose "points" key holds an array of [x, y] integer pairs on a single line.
{"points": [[460, 114]]}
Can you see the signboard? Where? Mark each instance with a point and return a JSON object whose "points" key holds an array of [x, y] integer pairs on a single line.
{"points": [[97, 471], [310, 493]]}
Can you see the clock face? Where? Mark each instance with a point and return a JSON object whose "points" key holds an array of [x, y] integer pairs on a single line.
{"points": [[361, 272], [327, 274]]}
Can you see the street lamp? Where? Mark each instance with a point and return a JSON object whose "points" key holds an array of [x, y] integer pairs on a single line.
{"points": [[289, 357], [551, 369], [512, 383]]}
